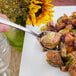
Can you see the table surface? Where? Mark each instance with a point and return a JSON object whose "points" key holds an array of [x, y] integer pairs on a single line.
{"points": [[15, 61], [64, 2], [16, 55]]}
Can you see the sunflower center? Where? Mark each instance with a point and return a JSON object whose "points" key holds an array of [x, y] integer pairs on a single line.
{"points": [[39, 11]]}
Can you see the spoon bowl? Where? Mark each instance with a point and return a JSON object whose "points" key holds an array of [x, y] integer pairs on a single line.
{"points": [[54, 47]]}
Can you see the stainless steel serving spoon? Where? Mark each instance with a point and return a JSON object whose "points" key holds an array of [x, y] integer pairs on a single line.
{"points": [[7, 22]]}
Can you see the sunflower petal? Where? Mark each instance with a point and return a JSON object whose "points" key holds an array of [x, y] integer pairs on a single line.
{"points": [[45, 12], [28, 21]]}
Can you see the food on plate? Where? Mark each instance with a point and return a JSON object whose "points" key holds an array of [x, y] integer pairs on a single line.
{"points": [[62, 37], [74, 54], [63, 50], [72, 68], [50, 40], [54, 58], [63, 68]]}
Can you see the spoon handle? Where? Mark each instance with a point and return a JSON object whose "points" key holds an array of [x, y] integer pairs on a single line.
{"points": [[7, 22]]}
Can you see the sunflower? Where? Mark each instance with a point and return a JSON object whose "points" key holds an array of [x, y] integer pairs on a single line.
{"points": [[40, 12]]}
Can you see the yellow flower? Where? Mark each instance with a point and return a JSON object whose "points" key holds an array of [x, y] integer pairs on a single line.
{"points": [[40, 12]]}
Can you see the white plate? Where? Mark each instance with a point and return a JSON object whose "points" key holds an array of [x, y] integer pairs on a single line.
{"points": [[33, 62]]}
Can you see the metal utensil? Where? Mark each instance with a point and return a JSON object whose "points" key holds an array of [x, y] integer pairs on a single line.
{"points": [[7, 22]]}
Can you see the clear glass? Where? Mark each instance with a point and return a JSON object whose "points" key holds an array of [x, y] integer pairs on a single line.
{"points": [[5, 54]]}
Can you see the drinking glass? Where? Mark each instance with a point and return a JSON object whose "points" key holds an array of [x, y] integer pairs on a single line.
{"points": [[5, 54]]}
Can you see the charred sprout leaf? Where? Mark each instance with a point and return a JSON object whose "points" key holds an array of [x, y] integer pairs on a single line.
{"points": [[73, 22], [73, 31], [48, 27], [72, 19], [62, 31], [75, 43], [72, 55], [70, 58], [69, 62], [63, 50], [54, 58], [73, 15], [43, 28], [68, 27], [59, 20], [50, 40], [72, 68]]}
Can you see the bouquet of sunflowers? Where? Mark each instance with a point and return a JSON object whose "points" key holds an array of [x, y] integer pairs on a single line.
{"points": [[25, 12]]}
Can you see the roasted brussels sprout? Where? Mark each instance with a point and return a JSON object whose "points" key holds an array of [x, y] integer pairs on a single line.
{"points": [[63, 50], [54, 58], [50, 40]]}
